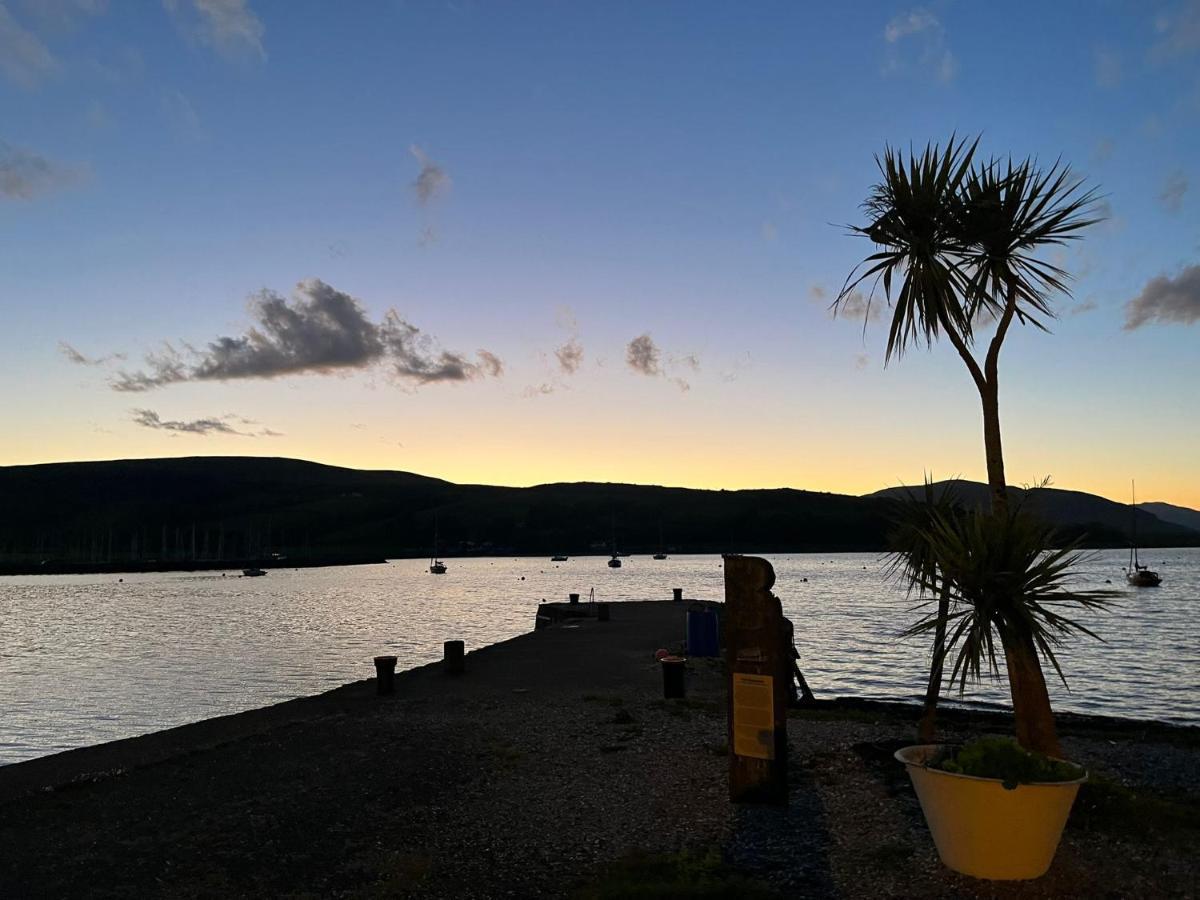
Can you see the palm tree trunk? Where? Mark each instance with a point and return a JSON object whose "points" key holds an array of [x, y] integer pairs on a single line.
{"points": [[992, 446], [927, 730], [1031, 701]]}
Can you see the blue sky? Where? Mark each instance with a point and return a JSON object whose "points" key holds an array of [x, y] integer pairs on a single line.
{"points": [[593, 173]]}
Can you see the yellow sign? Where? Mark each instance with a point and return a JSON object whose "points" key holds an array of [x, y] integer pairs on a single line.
{"points": [[753, 715]]}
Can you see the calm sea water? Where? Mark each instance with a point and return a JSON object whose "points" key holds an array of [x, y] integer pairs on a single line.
{"points": [[85, 659]]}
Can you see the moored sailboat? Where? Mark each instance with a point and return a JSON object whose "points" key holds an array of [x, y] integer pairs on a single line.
{"points": [[1137, 574]]}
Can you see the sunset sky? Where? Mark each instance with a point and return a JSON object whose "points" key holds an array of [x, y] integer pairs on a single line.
{"points": [[515, 243]]}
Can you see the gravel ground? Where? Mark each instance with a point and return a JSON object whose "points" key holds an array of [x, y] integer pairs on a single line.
{"points": [[531, 774]]}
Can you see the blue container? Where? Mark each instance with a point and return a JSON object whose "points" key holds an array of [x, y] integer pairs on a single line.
{"points": [[703, 632]]}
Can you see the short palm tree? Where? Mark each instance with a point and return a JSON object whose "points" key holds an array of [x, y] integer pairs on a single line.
{"points": [[1005, 587], [958, 243], [914, 563]]}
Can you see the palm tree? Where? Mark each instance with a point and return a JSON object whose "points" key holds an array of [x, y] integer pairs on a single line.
{"points": [[962, 239], [1005, 587], [914, 563]]}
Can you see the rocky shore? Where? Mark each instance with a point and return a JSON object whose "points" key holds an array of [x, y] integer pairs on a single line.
{"points": [[552, 767]]}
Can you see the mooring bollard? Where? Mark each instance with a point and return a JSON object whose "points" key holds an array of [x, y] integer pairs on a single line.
{"points": [[677, 594], [385, 675], [574, 598], [601, 612], [674, 669], [454, 652]]}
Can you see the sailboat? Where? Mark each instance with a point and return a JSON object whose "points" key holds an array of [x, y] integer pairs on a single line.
{"points": [[661, 554], [436, 566], [615, 562], [1137, 574]]}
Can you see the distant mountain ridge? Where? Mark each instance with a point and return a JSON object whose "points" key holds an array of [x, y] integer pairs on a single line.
{"points": [[1068, 508], [206, 508], [1177, 515]]}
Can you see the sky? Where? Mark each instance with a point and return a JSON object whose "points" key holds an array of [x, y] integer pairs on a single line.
{"points": [[517, 243]]}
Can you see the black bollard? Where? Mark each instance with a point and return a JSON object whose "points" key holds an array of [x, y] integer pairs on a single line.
{"points": [[674, 669], [601, 612], [454, 651], [574, 598], [385, 675], [677, 594]]}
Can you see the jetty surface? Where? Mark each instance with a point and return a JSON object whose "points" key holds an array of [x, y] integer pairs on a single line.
{"points": [[552, 767]]}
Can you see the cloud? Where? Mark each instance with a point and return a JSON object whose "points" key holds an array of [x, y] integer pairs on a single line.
{"points": [[769, 231], [690, 361], [81, 360], [25, 175], [1166, 300], [1103, 150], [570, 356], [1106, 67], [917, 39], [148, 418], [321, 330], [1179, 32], [1086, 306], [539, 390], [642, 355], [229, 27], [818, 293], [1171, 195], [64, 14], [861, 361], [24, 59], [432, 181], [181, 115], [857, 306]]}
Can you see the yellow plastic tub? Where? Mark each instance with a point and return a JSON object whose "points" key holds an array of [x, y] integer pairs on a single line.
{"points": [[983, 830]]}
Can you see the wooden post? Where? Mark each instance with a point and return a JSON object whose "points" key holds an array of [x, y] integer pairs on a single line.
{"points": [[454, 655], [677, 594], [758, 658], [385, 675]]}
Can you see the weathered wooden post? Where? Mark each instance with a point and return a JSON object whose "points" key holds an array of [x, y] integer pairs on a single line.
{"points": [[454, 652], [385, 675], [759, 662]]}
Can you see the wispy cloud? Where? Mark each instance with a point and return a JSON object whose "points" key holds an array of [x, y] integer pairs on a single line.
{"points": [[181, 116], [82, 360], [643, 356], [917, 39], [569, 356], [148, 418], [64, 15], [432, 181], [857, 306], [24, 59], [1103, 150], [1166, 300], [25, 175], [1171, 195], [1106, 67], [321, 330], [1085, 306], [230, 27], [1178, 32]]}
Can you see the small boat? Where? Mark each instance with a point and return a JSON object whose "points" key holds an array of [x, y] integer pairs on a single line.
{"points": [[615, 562], [253, 572], [436, 566], [558, 559], [1137, 574], [661, 554]]}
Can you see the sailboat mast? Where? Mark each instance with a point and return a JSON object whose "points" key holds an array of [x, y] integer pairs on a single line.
{"points": [[1133, 522]]}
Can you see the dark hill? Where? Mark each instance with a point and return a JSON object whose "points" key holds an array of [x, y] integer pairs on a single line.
{"points": [[209, 508], [1177, 515], [1105, 521]]}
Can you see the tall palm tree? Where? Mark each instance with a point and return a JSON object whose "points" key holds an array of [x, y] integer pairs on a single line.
{"points": [[962, 240]]}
